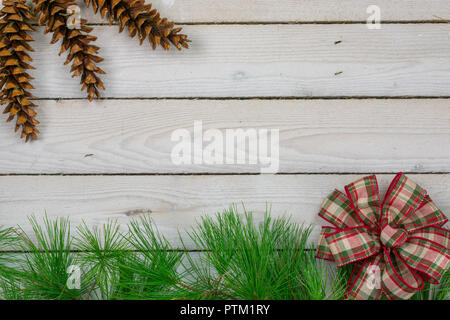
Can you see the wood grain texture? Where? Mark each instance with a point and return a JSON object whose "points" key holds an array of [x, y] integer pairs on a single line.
{"points": [[217, 11], [264, 60], [134, 136], [175, 202]]}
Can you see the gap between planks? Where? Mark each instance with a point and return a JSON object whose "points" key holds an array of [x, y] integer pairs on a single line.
{"points": [[256, 98], [146, 174], [258, 23]]}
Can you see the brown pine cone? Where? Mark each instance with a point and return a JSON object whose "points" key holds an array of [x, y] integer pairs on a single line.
{"points": [[141, 20], [54, 14], [15, 82]]}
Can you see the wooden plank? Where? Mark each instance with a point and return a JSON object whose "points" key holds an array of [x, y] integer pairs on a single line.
{"points": [[134, 136], [264, 61], [218, 11], [175, 202]]}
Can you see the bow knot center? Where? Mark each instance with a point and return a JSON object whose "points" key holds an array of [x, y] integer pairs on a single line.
{"points": [[393, 237]]}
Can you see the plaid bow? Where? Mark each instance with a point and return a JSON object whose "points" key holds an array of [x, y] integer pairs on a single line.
{"points": [[395, 245]]}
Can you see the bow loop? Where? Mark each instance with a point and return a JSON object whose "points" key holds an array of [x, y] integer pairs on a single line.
{"points": [[352, 244], [337, 210], [426, 215], [427, 251], [365, 200], [323, 251], [402, 199]]}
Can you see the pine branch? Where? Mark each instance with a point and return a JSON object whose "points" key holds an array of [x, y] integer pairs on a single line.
{"points": [[241, 259], [44, 271], [15, 81], [100, 252], [83, 55], [151, 272], [142, 21]]}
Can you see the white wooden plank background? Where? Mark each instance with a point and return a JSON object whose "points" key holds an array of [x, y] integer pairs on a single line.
{"points": [[175, 202], [134, 136], [263, 11], [299, 51], [264, 61]]}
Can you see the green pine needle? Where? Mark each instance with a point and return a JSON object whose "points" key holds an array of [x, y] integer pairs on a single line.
{"points": [[8, 240]]}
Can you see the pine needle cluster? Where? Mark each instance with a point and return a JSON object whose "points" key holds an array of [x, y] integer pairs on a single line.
{"points": [[270, 260], [241, 258]]}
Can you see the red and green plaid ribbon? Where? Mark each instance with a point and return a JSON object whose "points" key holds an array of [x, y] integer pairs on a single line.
{"points": [[395, 246]]}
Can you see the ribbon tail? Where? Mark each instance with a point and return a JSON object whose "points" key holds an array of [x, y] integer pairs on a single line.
{"points": [[365, 281], [399, 281]]}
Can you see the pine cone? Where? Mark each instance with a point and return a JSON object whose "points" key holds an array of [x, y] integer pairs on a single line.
{"points": [[141, 20], [54, 14], [13, 63]]}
